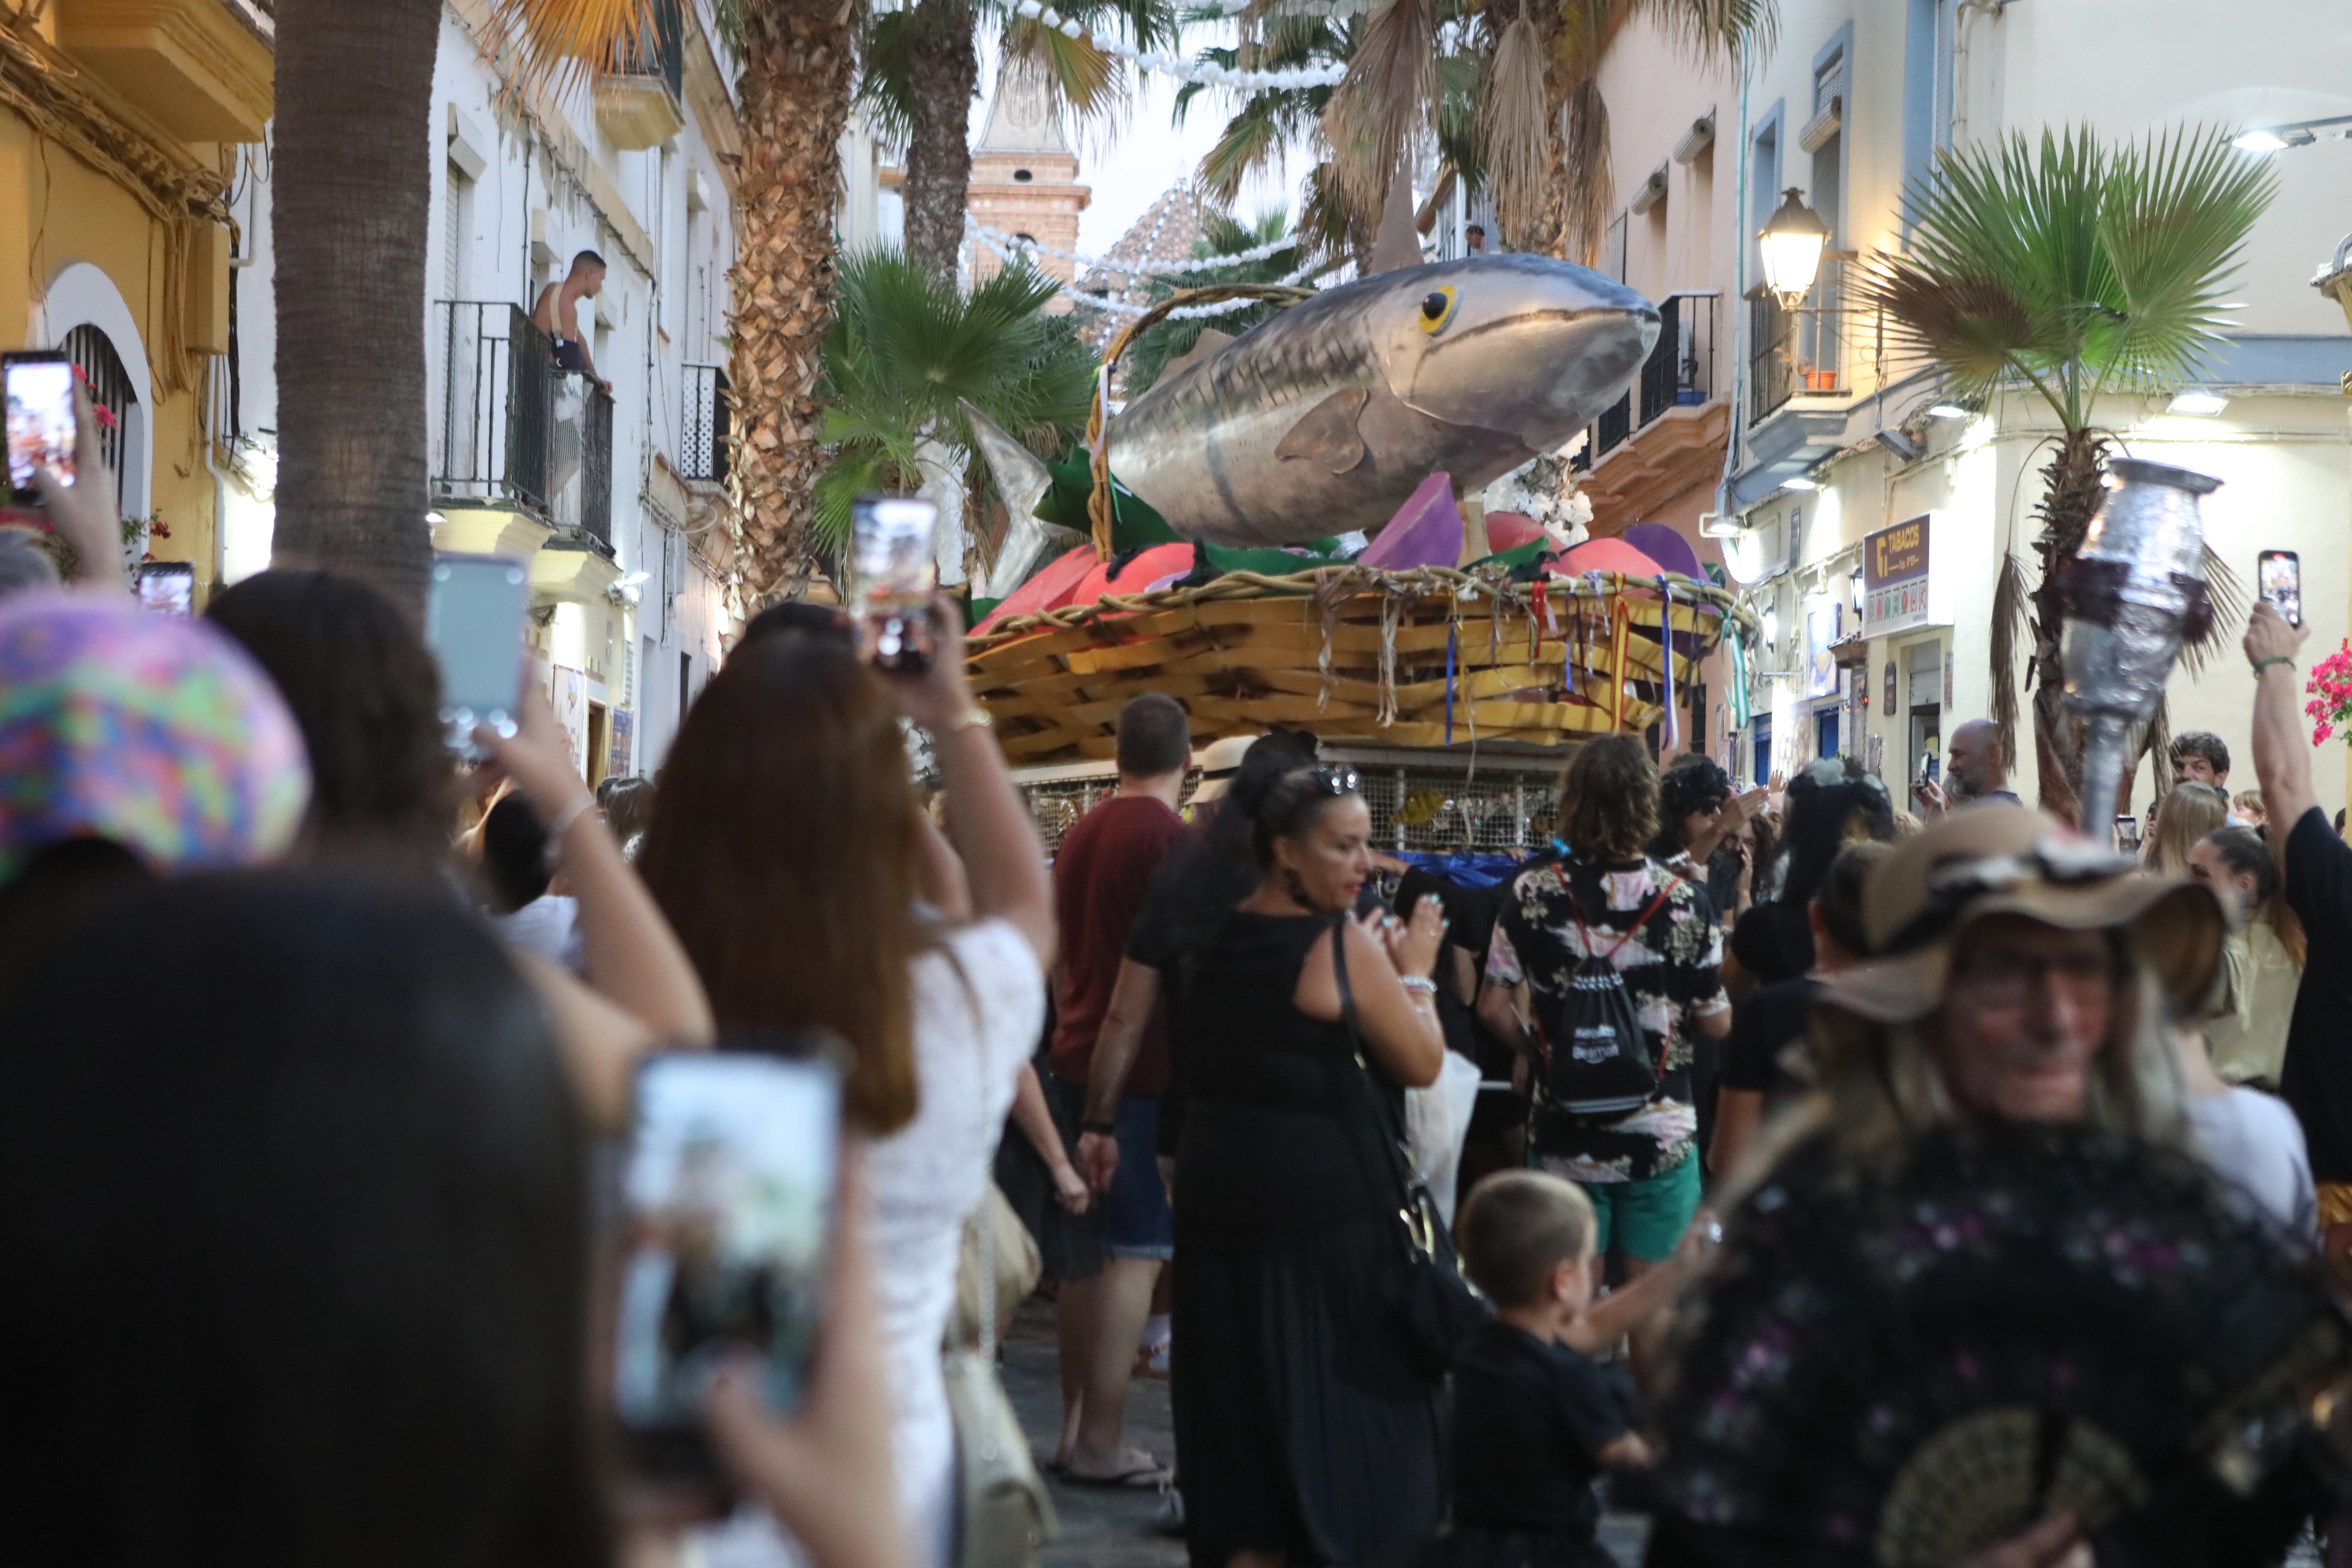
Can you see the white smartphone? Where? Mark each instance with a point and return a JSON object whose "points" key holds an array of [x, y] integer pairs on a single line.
{"points": [[472, 621]]}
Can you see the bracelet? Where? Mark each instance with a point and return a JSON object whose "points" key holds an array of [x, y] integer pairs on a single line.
{"points": [[1104, 1129], [2262, 664], [973, 718], [581, 807], [1420, 983]]}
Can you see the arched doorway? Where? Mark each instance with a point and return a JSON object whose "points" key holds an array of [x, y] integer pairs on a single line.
{"points": [[110, 389]]}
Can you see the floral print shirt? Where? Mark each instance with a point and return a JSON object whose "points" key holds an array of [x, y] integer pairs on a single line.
{"points": [[1670, 968]]}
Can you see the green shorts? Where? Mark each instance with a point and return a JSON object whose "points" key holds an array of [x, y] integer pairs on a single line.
{"points": [[1646, 1218]]}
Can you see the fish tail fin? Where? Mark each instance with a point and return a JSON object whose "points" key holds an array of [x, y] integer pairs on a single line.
{"points": [[1022, 479]]}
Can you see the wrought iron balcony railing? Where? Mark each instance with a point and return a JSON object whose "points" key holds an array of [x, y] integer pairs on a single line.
{"points": [[1680, 371], [511, 429], [706, 441]]}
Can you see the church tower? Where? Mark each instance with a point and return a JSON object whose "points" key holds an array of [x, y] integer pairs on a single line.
{"points": [[1024, 178]]}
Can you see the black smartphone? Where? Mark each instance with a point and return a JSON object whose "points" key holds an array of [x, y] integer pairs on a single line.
{"points": [[474, 623], [40, 393], [2127, 834], [2279, 574], [727, 1236], [168, 587], [893, 569]]}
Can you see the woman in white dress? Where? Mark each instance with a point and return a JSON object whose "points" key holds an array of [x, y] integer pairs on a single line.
{"points": [[787, 850]]}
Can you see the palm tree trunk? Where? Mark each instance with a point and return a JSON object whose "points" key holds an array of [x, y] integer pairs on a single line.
{"points": [[2069, 500], [944, 72], [354, 192], [799, 68]]}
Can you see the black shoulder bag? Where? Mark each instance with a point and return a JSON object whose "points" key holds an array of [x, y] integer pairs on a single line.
{"points": [[1435, 1308]]}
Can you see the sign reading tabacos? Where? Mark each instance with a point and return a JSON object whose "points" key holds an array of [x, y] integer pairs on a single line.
{"points": [[1895, 578]]}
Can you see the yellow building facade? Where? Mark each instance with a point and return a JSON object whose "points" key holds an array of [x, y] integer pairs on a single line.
{"points": [[121, 122]]}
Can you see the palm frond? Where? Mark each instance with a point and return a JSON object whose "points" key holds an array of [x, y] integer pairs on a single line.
{"points": [[1712, 29], [906, 345], [1326, 226], [2174, 221], [2008, 604], [885, 76], [1515, 120], [2228, 595], [1388, 95], [559, 43], [1252, 141], [1589, 194], [1086, 78]]}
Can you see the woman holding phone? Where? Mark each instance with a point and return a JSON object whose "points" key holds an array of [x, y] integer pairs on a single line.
{"points": [[786, 850]]}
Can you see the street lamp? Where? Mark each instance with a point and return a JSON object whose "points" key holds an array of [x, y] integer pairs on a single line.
{"points": [[2302, 134], [1791, 244]]}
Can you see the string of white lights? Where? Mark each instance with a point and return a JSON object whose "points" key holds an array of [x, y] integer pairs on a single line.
{"points": [[1177, 66], [1009, 249], [1324, 8], [998, 239]]}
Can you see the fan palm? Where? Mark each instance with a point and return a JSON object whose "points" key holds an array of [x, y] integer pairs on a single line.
{"points": [[1543, 124], [919, 71], [906, 347], [2070, 269]]}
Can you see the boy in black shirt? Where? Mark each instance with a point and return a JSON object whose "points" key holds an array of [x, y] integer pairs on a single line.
{"points": [[1534, 1421]]}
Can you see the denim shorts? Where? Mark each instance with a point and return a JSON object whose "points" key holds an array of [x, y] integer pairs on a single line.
{"points": [[1137, 1222]]}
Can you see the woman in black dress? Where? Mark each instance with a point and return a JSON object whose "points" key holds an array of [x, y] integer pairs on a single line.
{"points": [[1304, 1433]]}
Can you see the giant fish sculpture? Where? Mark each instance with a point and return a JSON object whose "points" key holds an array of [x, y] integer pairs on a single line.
{"points": [[1324, 420]]}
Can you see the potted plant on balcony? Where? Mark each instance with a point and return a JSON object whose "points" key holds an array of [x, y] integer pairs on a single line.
{"points": [[2067, 268]]}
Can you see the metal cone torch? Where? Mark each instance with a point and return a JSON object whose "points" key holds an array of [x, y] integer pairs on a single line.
{"points": [[2135, 592]]}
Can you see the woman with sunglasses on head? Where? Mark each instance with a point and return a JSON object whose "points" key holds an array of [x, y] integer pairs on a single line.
{"points": [[1304, 1432]]}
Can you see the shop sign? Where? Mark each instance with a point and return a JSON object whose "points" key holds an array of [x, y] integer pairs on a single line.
{"points": [[1895, 578]]}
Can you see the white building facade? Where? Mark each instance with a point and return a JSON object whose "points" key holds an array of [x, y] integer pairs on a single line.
{"points": [[618, 504], [1857, 100]]}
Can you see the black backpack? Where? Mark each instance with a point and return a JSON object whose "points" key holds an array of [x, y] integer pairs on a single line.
{"points": [[1596, 1059]]}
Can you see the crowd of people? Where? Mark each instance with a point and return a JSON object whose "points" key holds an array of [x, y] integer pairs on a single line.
{"points": [[320, 1037]]}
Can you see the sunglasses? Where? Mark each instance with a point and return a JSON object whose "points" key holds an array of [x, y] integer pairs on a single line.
{"points": [[1335, 779]]}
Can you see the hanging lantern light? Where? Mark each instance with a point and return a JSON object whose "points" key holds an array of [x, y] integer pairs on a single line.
{"points": [[1792, 244]]}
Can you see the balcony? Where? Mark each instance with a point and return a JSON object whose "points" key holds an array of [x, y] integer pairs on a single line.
{"points": [[708, 437], [640, 91], [511, 433], [195, 67], [1679, 372], [1800, 353], [1667, 434]]}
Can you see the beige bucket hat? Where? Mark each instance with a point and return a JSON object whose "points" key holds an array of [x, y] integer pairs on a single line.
{"points": [[1220, 760], [2011, 860]]}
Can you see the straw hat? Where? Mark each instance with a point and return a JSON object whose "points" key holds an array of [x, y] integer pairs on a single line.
{"points": [[1219, 763], [2011, 860]]}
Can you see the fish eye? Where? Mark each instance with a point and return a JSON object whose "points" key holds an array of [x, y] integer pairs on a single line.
{"points": [[1437, 309]]}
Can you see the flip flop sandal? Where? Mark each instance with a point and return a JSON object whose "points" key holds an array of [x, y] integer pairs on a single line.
{"points": [[1147, 1478]]}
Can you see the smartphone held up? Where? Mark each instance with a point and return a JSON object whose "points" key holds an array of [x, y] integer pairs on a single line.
{"points": [[2279, 575], [894, 568], [474, 623], [728, 1205], [40, 400]]}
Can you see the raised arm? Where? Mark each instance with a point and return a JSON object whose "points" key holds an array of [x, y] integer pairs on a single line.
{"points": [[2282, 755], [1399, 1026], [634, 960], [1003, 859], [83, 513]]}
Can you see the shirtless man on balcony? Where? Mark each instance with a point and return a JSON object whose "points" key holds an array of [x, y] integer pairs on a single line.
{"points": [[558, 315]]}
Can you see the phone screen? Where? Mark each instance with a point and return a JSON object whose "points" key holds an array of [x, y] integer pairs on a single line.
{"points": [[472, 621], [40, 421], [893, 566], [728, 1204], [2280, 574], [168, 587], [2127, 834]]}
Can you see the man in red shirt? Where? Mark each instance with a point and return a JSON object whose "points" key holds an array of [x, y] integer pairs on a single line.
{"points": [[1101, 873]]}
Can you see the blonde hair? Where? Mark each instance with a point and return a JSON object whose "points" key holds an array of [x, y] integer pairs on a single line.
{"points": [[2188, 814], [1515, 1228], [1877, 1085]]}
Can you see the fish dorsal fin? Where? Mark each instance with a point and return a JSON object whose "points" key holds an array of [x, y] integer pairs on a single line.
{"points": [[1209, 342], [1327, 433]]}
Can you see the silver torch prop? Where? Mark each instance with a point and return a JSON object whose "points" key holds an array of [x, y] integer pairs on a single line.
{"points": [[2135, 592]]}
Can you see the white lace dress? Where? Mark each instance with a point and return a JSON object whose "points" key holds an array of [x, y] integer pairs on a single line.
{"points": [[979, 1006]]}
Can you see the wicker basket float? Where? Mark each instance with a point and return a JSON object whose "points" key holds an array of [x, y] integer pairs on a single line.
{"points": [[1432, 656]]}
